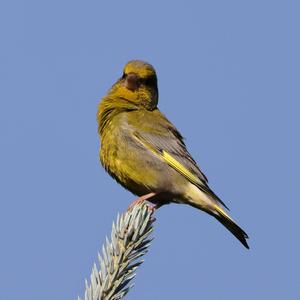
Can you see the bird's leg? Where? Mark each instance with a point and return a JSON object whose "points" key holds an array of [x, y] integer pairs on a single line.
{"points": [[142, 199]]}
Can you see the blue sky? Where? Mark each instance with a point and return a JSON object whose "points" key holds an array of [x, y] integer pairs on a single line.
{"points": [[228, 79]]}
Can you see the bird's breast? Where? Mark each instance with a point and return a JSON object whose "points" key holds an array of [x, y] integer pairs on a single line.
{"points": [[123, 159], [134, 166]]}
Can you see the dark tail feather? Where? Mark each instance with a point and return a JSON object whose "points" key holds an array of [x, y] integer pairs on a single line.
{"points": [[237, 231], [219, 213]]}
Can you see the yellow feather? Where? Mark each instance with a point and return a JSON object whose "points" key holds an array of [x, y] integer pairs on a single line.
{"points": [[221, 212], [170, 160], [180, 168]]}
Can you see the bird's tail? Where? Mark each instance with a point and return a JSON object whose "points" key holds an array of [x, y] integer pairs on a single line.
{"points": [[212, 205], [237, 231]]}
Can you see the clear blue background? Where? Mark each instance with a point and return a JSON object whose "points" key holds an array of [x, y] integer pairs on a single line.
{"points": [[229, 74]]}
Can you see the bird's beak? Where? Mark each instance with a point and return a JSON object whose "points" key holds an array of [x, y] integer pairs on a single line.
{"points": [[132, 81]]}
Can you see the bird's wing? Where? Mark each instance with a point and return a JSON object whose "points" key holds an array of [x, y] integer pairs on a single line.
{"points": [[164, 140]]}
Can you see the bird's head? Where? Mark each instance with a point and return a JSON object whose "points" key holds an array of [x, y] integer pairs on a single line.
{"points": [[137, 85]]}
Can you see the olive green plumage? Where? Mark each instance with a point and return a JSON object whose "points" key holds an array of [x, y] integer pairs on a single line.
{"points": [[145, 153]]}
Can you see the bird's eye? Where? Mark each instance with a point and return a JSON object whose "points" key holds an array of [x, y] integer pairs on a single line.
{"points": [[149, 81], [124, 75]]}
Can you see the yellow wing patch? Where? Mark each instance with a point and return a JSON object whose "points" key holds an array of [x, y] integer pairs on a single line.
{"points": [[170, 160], [180, 168]]}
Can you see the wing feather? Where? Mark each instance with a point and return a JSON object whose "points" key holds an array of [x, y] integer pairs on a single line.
{"points": [[164, 140]]}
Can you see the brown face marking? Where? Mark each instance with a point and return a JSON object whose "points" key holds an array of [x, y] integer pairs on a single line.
{"points": [[132, 81]]}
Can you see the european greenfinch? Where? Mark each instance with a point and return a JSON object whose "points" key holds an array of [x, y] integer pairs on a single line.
{"points": [[146, 154]]}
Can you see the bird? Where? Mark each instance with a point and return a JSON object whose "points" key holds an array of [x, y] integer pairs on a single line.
{"points": [[145, 153]]}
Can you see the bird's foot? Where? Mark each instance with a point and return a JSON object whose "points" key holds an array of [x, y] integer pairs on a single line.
{"points": [[152, 207], [142, 199]]}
